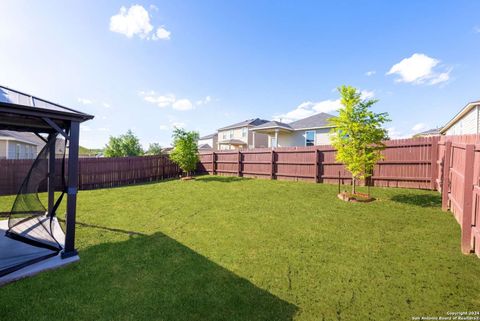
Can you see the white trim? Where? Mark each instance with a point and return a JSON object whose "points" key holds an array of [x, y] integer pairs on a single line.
{"points": [[273, 127], [313, 128], [459, 116]]}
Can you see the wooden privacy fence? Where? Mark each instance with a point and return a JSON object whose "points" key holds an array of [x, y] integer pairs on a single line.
{"points": [[95, 172], [459, 160], [410, 163]]}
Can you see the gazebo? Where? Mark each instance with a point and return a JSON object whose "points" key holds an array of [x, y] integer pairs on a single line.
{"points": [[31, 238]]}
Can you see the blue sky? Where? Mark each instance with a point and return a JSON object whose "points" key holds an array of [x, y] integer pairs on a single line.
{"points": [[151, 65]]}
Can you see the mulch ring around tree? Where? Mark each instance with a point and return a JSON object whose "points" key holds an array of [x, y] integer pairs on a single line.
{"points": [[355, 198]]}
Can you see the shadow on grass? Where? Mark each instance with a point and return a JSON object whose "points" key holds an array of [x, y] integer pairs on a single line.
{"points": [[104, 228], [221, 179], [144, 278], [425, 200]]}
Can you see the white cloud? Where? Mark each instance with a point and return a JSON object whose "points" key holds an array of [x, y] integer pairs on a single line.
{"points": [[136, 21], [84, 101], [370, 73], [160, 100], [476, 29], [162, 33], [103, 129], [367, 94], [163, 127], [393, 133], [182, 104], [419, 69], [419, 127], [106, 105], [309, 108], [85, 128], [168, 100], [204, 101]]}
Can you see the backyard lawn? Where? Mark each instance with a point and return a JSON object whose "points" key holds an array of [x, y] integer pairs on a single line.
{"points": [[221, 248]]}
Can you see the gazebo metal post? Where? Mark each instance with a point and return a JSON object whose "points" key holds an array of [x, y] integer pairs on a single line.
{"points": [[72, 187], [51, 174]]}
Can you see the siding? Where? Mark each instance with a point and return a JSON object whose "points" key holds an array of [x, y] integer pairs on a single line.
{"points": [[3, 149], [322, 136], [468, 124], [297, 138], [261, 140]]}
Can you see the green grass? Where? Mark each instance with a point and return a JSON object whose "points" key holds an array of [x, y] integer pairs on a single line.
{"points": [[236, 249]]}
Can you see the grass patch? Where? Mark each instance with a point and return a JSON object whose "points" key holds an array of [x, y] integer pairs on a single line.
{"points": [[242, 249]]}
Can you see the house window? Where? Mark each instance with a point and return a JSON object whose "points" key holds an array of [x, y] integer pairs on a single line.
{"points": [[310, 138], [224, 135], [244, 132], [231, 133]]}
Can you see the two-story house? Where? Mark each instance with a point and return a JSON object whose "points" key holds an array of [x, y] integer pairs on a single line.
{"points": [[310, 131], [241, 135]]}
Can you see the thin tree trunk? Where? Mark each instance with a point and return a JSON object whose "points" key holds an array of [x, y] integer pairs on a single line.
{"points": [[353, 185]]}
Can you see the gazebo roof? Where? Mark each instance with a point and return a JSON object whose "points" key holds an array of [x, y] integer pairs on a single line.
{"points": [[23, 112]]}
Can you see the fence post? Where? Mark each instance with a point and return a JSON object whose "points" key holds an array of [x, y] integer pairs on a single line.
{"points": [[446, 175], [214, 164], [434, 164], [317, 164], [272, 169], [239, 170], [467, 199]]}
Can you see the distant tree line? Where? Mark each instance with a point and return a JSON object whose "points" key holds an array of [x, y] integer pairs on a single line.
{"points": [[128, 144]]}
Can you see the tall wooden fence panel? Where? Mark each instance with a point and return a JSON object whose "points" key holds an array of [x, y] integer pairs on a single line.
{"points": [[94, 172], [408, 163], [459, 157]]}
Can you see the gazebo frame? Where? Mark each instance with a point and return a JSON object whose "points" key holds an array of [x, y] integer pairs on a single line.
{"points": [[27, 113]]}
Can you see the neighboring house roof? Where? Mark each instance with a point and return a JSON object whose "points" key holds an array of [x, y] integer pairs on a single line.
{"points": [[208, 136], [274, 124], [248, 122], [204, 146], [430, 132], [458, 116], [233, 141], [315, 121], [24, 137], [31, 138], [167, 150]]}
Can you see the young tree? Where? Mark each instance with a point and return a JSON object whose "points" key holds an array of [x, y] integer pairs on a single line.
{"points": [[131, 144], [114, 147], [185, 150], [124, 145], [154, 149], [358, 134]]}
